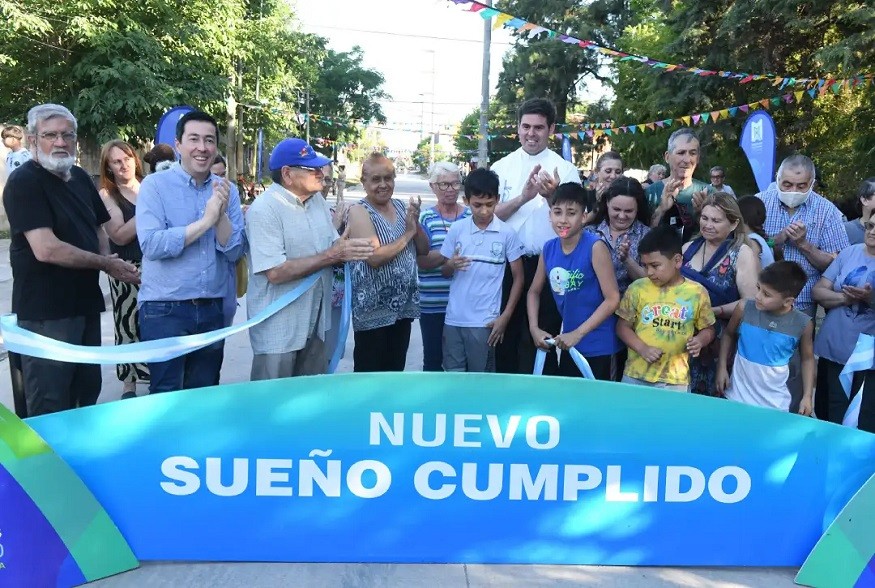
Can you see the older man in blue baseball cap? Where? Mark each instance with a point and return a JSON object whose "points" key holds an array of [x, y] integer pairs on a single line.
{"points": [[291, 236]]}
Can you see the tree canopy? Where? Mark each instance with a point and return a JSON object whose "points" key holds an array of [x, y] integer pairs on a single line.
{"points": [[815, 39], [118, 67]]}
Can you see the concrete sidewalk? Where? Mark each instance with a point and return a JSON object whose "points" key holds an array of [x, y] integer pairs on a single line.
{"points": [[238, 359]]}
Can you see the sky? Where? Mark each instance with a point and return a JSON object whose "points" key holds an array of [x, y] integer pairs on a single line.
{"points": [[429, 51]]}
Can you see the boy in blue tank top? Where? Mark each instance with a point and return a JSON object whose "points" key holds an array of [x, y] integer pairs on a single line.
{"points": [[768, 330], [578, 269]]}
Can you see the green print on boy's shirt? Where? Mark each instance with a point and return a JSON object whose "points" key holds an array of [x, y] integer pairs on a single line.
{"points": [[665, 318]]}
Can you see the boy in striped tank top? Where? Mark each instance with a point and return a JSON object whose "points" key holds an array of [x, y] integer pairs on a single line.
{"points": [[768, 330]]}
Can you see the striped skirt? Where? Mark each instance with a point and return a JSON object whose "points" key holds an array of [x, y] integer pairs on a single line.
{"points": [[127, 330]]}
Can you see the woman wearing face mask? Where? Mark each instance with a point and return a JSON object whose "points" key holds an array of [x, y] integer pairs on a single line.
{"points": [[846, 291], [863, 206], [722, 260]]}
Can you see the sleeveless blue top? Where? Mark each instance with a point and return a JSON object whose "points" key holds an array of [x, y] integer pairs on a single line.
{"points": [[577, 293]]}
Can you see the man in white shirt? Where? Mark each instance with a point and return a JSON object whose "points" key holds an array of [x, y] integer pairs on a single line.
{"points": [[718, 175], [528, 177]]}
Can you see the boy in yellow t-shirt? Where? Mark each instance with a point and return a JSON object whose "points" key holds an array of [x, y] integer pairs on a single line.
{"points": [[664, 318]]}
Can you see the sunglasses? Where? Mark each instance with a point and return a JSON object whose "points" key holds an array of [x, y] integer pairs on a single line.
{"points": [[306, 168]]}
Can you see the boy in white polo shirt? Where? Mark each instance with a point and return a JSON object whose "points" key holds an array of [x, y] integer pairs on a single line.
{"points": [[477, 248]]}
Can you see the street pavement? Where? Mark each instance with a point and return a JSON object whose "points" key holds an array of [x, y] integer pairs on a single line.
{"points": [[238, 357]]}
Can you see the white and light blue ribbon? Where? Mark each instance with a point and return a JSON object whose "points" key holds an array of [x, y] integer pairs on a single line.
{"points": [[26, 342], [862, 358], [579, 361], [345, 315]]}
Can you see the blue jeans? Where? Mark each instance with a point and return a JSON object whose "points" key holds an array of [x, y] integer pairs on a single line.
{"points": [[176, 318], [432, 327]]}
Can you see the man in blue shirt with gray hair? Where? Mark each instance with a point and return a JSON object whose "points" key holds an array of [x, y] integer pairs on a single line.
{"points": [[190, 228]]}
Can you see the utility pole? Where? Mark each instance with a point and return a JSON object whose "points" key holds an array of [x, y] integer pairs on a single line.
{"points": [[483, 142], [431, 145], [308, 116]]}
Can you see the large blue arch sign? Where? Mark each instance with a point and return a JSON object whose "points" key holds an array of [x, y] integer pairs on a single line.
{"points": [[415, 467]]}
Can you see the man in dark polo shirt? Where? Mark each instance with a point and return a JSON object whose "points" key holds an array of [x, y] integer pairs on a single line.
{"points": [[58, 249]]}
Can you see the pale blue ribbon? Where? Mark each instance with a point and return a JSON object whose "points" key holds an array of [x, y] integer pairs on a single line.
{"points": [[26, 342], [579, 361], [862, 358]]}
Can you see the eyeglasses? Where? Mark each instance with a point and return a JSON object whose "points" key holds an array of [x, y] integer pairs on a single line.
{"points": [[306, 168], [447, 185], [53, 136]]}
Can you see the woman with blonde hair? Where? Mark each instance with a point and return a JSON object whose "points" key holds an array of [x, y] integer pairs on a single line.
{"points": [[722, 260], [120, 175]]}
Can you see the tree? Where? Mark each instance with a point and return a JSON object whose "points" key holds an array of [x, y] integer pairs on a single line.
{"points": [[422, 155], [119, 70], [544, 68], [816, 39], [345, 96], [502, 133]]}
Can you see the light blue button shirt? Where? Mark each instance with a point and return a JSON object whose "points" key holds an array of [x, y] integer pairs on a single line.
{"points": [[169, 201]]}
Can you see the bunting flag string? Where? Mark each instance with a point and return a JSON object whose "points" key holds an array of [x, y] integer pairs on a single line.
{"points": [[509, 21], [594, 130]]}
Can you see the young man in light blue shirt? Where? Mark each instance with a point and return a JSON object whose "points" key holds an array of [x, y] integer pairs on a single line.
{"points": [[190, 228], [477, 248]]}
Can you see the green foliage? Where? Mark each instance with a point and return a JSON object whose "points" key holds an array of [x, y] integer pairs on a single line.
{"points": [[814, 39], [502, 122], [119, 66], [345, 91], [422, 156]]}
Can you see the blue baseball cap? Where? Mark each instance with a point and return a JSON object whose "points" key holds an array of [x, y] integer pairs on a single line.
{"points": [[295, 152]]}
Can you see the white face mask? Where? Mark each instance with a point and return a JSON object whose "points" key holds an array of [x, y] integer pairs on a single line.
{"points": [[794, 199]]}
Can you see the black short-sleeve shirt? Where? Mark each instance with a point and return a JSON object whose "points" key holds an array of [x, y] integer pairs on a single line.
{"points": [[35, 198]]}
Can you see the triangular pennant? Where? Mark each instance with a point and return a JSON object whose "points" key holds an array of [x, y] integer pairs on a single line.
{"points": [[705, 117], [609, 132], [500, 20], [799, 95], [487, 13], [641, 128], [668, 122], [696, 118], [812, 92], [686, 120], [581, 135], [776, 101], [660, 124], [633, 129], [764, 102], [651, 126], [590, 133], [623, 129], [715, 115]]}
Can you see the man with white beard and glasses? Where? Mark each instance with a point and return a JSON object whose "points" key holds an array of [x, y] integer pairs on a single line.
{"points": [[58, 249]]}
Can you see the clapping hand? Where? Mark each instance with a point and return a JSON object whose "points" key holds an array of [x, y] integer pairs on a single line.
{"points": [[533, 184], [856, 294], [549, 182], [670, 190], [796, 232], [699, 199], [346, 249], [411, 220], [623, 249], [218, 202]]}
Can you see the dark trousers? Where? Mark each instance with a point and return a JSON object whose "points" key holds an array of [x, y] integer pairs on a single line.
{"points": [[383, 349], [17, 376], [53, 386], [603, 367], [867, 406], [830, 401], [516, 354], [185, 317], [432, 328]]}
